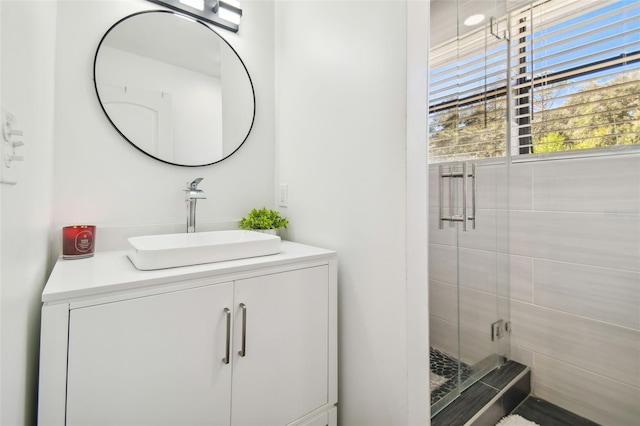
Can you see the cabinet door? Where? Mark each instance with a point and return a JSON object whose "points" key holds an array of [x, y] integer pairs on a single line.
{"points": [[154, 360], [283, 373]]}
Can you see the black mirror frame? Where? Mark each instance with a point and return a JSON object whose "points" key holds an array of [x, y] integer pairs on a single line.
{"points": [[95, 84]]}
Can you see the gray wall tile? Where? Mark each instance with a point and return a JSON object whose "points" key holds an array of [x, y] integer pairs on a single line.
{"points": [[521, 278], [602, 184], [443, 263], [595, 346], [443, 335], [569, 261], [590, 395], [475, 345], [521, 186], [604, 294], [478, 270], [446, 236], [587, 238], [477, 310], [443, 301]]}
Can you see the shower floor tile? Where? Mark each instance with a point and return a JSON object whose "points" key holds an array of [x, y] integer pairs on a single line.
{"points": [[544, 413], [446, 368]]}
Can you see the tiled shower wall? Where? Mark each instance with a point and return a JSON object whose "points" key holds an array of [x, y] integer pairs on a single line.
{"points": [[575, 282], [574, 254]]}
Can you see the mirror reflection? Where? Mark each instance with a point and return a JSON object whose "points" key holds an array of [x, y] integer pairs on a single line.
{"points": [[174, 88]]}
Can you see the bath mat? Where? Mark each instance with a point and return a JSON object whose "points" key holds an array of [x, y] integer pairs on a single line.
{"points": [[515, 420]]}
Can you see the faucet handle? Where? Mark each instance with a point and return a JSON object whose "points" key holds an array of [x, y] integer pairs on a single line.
{"points": [[193, 185], [193, 193]]}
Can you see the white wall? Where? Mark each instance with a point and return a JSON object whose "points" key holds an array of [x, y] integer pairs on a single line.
{"points": [[343, 136], [417, 266], [1, 99], [98, 177], [101, 179], [341, 106], [27, 50]]}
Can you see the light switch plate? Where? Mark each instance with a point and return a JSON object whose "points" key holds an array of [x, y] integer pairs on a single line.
{"points": [[283, 195], [7, 172], [7, 148]]}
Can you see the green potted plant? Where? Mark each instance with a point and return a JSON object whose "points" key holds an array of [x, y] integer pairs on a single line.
{"points": [[263, 220]]}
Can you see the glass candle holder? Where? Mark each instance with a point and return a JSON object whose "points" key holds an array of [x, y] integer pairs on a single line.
{"points": [[78, 241]]}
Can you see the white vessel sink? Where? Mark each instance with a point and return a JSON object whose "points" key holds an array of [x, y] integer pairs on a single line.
{"points": [[173, 250]]}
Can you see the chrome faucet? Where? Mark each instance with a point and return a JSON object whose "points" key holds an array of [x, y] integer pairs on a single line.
{"points": [[193, 195]]}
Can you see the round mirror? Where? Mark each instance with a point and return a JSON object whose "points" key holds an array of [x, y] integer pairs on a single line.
{"points": [[174, 88]]}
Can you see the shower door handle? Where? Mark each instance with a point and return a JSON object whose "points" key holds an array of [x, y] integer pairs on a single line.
{"points": [[464, 197], [465, 182], [441, 197], [465, 174], [473, 196], [452, 216]]}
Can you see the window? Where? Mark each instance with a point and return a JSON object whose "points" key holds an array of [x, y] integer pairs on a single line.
{"points": [[467, 90], [576, 75], [575, 84]]}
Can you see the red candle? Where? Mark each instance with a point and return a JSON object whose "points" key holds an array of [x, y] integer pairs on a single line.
{"points": [[78, 241]]}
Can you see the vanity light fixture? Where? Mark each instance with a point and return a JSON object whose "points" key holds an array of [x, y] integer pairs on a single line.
{"points": [[229, 10], [198, 4], [222, 13], [474, 20]]}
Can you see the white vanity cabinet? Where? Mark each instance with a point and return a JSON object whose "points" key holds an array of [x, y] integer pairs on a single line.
{"points": [[245, 342], [150, 360]]}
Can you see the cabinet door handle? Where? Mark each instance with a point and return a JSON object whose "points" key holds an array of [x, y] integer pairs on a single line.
{"points": [[243, 349], [227, 313]]}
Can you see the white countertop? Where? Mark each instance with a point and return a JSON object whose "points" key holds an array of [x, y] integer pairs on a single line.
{"points": [[113, 271]]}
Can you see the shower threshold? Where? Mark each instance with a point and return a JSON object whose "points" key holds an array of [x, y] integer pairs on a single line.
{"points": [[489, 399], [505, 390], [450, 377]]}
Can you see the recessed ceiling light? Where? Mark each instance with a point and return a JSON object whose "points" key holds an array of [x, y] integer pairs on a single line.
{"points": [[474, 20]]}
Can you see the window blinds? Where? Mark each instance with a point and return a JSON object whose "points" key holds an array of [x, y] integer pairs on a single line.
{"points": [[467, 91], [575, 69]]}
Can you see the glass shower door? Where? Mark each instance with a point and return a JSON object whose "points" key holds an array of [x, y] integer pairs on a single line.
{"points": [[468, 276], [482, 273], [468, 206]]}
